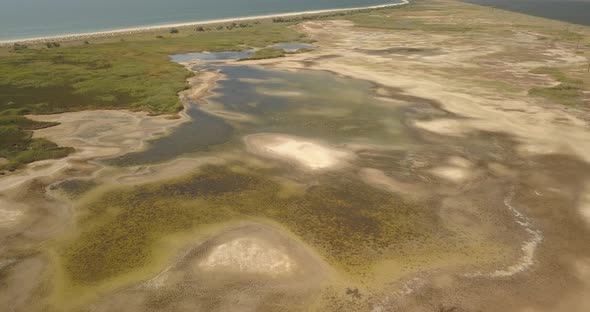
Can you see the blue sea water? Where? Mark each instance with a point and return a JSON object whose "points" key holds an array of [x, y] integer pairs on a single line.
{"points": [[573, 11], [35, 18]]}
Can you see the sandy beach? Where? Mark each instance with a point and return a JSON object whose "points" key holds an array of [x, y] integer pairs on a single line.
{"points": [[147, 28]]}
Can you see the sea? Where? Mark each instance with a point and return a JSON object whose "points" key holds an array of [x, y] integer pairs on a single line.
{"points": [[23, 19], [573, 11]]}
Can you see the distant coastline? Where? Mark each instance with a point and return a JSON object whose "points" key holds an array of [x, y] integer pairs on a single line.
{"points": [[140, 29]]}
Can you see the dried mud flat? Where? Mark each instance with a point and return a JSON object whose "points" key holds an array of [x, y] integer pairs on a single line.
{"points": [[505, 174]]}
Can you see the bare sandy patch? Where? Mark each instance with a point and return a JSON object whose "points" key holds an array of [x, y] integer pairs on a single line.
{"points": [[303, 152], [442, 126], [460, 162], [103, 133], [585, 204], [451, 173], [10, 213], [248, 255], [457, 170], [21, 281]]}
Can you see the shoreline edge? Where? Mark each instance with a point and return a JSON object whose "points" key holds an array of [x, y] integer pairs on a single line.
{"points": [[140, 29]]}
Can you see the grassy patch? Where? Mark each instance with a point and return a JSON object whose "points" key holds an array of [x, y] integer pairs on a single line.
{"points": [[18, 146], [557, 74], [568, 92], [563, 94]]}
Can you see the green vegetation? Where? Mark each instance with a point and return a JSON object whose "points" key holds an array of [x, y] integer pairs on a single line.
{"points": [[557, 74], [568, 92], [265, 53], [53, 45], [353, 224], [133, 74], [17, 144]]}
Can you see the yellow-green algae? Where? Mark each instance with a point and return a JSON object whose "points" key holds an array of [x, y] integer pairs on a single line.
{"points": [[352, 224]]}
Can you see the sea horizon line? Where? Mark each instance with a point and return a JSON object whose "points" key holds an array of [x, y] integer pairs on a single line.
{"points": [[147, 28]]}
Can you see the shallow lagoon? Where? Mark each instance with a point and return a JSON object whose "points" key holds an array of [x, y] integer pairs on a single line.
{"points": [[382, 205], [306, 103]]}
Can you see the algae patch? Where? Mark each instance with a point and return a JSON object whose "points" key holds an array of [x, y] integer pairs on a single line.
{"points": [[352, 224]]}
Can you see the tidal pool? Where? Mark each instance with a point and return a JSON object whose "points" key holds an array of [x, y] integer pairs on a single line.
{"points": [[293, 47], [211, 56]]}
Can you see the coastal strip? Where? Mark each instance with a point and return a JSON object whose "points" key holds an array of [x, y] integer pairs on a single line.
{"points": [[135, 30]]}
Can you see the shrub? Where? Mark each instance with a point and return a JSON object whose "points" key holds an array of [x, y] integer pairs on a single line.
{"points": [[52, 45], [18, 46]]}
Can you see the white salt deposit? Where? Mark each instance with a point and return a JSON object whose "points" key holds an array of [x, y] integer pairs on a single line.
{"points": [[248, 255]]}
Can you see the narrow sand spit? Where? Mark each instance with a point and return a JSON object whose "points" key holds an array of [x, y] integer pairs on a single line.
{"points": [[278, 92], [248, 255], [304, 152]]}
